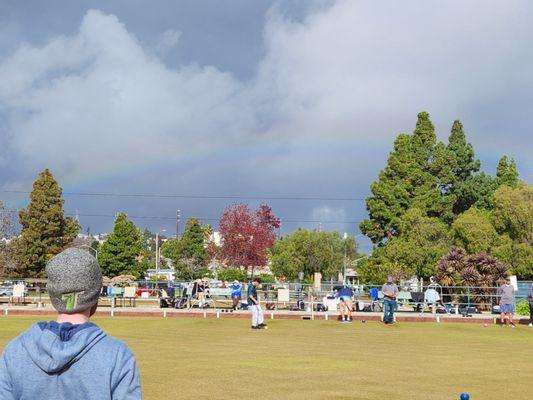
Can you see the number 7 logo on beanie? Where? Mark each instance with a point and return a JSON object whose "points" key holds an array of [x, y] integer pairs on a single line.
{"points": [[71, 300]]}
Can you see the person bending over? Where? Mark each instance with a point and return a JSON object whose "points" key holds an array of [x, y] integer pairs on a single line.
{"points": [[345, 296]]}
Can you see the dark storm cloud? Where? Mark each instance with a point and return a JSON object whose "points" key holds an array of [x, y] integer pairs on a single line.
{"points": [[251, 99]]}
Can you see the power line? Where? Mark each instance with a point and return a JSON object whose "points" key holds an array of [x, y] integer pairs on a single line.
{"points": [[169, 218], [164, 217], [197, 197]]}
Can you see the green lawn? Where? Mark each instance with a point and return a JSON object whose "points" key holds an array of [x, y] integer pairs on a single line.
{"points": [[225, 359]]}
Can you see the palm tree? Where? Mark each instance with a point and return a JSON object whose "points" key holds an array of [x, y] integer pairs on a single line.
{"points": [[450, 266]]}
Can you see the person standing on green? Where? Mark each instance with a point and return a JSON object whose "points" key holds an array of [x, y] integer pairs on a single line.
{"points": [[390, 293], [252, 297], [530, 301], [507, 303]]}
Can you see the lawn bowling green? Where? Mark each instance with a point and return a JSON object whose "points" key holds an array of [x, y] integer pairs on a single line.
{"points": [[296, 359]]}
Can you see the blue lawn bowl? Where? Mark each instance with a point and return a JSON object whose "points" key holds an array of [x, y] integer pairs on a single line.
{"points": [[465, 396]]}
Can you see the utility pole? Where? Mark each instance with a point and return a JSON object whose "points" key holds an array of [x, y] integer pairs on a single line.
{"points": [[178, 223], [344, 273], [157, 254]]}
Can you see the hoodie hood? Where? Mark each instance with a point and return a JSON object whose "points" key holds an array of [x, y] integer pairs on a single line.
{"points": [[54, 347]]}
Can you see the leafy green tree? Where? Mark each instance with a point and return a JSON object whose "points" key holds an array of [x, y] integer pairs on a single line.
{"points": [[230, 274], [148, 248], [45, 230], [208, 231], [7, 263], [513, 212], [513, 218], [417, 171], [473, 231], [422, 241], [310, 252], [191, 245], [119, 254], [190, 268], [506, 172]]}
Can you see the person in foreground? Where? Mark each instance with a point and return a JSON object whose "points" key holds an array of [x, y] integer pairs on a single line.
{"points": [[70, 358], [258, 321], [507, 306], [390, 292]]}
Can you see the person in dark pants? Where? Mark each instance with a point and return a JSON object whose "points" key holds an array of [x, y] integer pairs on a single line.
{"points": [[530, 301], [390, 292]]}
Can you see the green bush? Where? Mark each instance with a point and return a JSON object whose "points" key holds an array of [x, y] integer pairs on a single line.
{"points": [[230, 274], [160, 278], [267, 278], [522, 307]]}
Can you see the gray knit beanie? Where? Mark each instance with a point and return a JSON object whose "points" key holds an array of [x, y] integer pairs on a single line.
{"points": [[74, 281]]}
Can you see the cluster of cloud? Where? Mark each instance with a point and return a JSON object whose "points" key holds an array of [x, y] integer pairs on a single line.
{"points": [[352, 74]]}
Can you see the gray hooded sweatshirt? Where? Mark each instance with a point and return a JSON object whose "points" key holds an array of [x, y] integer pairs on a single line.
{"points": [[64, 361]]}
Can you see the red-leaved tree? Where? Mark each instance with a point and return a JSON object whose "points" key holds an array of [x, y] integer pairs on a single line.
{"points": [[246, 235]]}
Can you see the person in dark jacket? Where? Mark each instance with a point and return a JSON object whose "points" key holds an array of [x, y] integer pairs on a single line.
{"points": [[258, 321]]}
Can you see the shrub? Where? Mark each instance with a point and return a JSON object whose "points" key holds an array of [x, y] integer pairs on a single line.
{"points": [[230, 274], [522, 307], [267, 278]]}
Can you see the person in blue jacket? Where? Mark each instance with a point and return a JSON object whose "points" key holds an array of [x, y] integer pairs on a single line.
{"points": [[69, 358], [236, 290]]}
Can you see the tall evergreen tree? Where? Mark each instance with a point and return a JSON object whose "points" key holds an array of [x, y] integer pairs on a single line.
{"points": [[465, 163], [45, 230], [190, 245], [189, 249], [119, 254], [467, 187], [193, 241], [416, 169], [506, 172]]}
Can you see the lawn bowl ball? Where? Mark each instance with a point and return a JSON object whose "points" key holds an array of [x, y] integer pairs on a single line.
{"points": [[465, 396]]}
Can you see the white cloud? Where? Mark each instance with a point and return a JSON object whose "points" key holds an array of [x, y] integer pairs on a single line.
{"points": [[352, 74], [98, 100], [168, 40], [327, 213]]}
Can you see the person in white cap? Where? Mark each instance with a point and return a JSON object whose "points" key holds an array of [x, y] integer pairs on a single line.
{"points": [[236, 293]]}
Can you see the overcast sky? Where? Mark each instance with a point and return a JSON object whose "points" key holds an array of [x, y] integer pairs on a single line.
{"points": [[250, 98]]}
